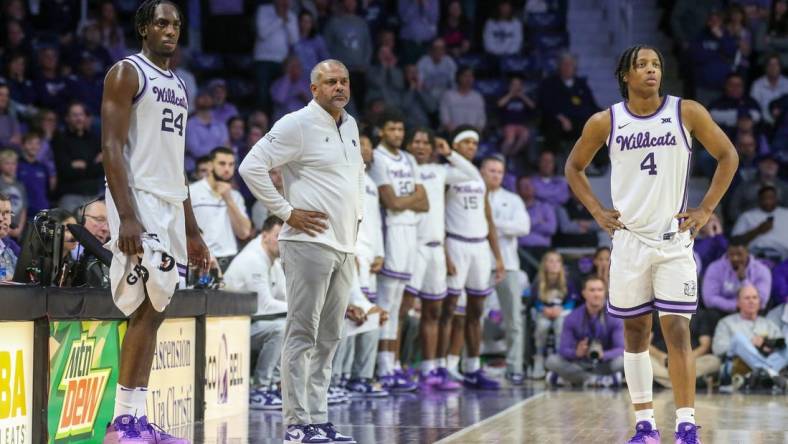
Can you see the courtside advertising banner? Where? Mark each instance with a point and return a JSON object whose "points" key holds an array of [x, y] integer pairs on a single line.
{"points": [[83, 371], [171, 387], [16, 382]]}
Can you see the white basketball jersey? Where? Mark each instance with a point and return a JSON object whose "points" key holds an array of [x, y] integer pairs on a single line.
{"points": [[465, 215], [431, 223], [651, 158], [400, 173], [155, 148], [370, 233]]}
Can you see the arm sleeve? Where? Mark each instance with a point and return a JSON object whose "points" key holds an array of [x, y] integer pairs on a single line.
{"points": [[617, 340], [460, 169], [517, 223], [565, 224], [763, 282], [712, 290], [266, 303], [267, 22], [569, 340], [280, 90], [283, 144], [742, 225], [722, 339], [550, 225], [378, 173], [489, 43]]}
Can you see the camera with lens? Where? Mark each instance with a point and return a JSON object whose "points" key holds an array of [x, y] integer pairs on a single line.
{"points": [[41, 258], [772, 344], [595, 350]]}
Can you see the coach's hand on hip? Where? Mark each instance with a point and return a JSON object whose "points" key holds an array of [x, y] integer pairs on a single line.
{"points": [[310, 222], [130, 236]]}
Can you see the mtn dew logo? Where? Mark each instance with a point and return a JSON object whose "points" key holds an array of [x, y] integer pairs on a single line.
{"points": [[83, 365]]}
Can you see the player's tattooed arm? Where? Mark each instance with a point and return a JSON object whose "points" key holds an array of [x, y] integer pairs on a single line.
{"points": [[120, 86], [593, 137], [699, 122]]}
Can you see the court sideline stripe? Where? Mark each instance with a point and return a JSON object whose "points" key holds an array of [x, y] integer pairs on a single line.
{"points": [[492, 418]]}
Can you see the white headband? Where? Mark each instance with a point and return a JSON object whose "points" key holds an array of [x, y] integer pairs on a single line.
{"points": [[467, 134]]}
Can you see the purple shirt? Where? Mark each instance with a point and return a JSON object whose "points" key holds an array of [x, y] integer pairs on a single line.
{"points": [[310, 51], [224, 112], [543, 225], [35, 177], [579, 325], [419, 22], [288, 95], [780, 283], [552, 190], [721, 284], [203, 137], [709, 249]]}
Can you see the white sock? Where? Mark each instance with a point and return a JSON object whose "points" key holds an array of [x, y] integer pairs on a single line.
{"points": [[428, 365], [452, 362], [441, 362], [685, 414], [124, 401], [139, 399], [471, 364], [639, 375], [385, 363], [646, 415]]}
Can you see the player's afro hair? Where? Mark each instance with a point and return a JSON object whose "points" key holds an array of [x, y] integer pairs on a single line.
{"points": [[144, 15], [627, 62]]}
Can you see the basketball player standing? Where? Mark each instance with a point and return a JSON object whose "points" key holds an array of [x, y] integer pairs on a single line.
{"points": [[144, 111], [652, 266]]}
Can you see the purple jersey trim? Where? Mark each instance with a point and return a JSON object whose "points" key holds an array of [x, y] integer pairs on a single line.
{"points": [[154, 67], [661, 105], [144, 81], [612, 127], [466, 239], [681, 125]]}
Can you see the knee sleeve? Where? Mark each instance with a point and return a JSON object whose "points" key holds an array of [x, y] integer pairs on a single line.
{"points": [[639, 376]]}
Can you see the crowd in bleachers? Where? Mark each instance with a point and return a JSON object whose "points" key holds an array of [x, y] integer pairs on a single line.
{"points": [[504, 70]]}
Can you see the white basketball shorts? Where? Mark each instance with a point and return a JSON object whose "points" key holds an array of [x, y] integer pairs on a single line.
{"points": [[367, 281], [471, 258], [429, 272], [401, 248], [644, 278]]}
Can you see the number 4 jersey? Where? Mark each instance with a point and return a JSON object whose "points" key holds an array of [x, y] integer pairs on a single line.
{"points": [[155, 147], [650, 157]]}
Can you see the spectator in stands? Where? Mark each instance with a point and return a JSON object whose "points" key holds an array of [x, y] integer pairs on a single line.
{"points": [[45, 124], [15, 39], [736, 26], [89, 46], [21, 87], [111, 31], [544, 223], [34, 175], [277, 32], [701, 332], [576, 226], [386, 80], [687, 20], [713, 52], [553, 297], [257, 118], [566, 102], [258, 269], [203, 132], [745, 196], [236, 132], [177, 65], [765, 228], [601, 264], [310, 48], [222, 109], [348, 40], [419, 19], [8, 258], [50, 86], [746, 335], [417, 100], [219, 209], [437, 70], [779, 315], [503, 34], [291, 91], [725, 276], [776, 38], [59, 17], [78, 160], [769, 87], [456, 30], [550, 188], [591, 350], [10, 130], [711, 242], [203, 169], [87, 84], [726, 109], [89, 269], [463, 105], [14, 190], [780, 283], [516, 110]]}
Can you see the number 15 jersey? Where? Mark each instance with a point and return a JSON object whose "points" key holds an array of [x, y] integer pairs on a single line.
{"points": [[650, 158], [465, 215], [155, 146]]}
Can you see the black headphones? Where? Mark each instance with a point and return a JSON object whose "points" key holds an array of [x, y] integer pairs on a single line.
{"points": [[80, 213]]}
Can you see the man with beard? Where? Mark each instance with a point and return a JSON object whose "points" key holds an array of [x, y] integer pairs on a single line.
{"points": [[219, 209]]}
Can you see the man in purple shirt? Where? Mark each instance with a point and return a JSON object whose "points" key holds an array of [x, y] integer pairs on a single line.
{"points": [[591, 349], [203, 131], [222, 109], [291, 91], [550, 188], [419, 20], [34, 175], [725, 276], [543, 220]]}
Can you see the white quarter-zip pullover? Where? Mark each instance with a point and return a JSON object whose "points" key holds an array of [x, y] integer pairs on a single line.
{"points": [[511, 221]]}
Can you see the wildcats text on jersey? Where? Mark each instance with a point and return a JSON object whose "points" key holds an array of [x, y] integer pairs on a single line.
{"points": [[168, 95], [645, 140]]}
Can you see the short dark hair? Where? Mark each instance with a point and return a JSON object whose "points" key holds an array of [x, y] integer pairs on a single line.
{"points": [[221, 150], [421, 129], [493, 158], [601, 249], [392, 115], [738, 241], [202, 159], [461, 71], [592, 278], [233, 119], [627, 60], [270, 222], [30, 135], [145, 13], [4, 198]]}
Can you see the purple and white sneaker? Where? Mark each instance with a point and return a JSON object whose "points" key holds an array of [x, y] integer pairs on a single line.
{"points": [[365, 388], [430, 379], [124, 430], [156, 435], [478, 380], [396, 384], [645, 434], [448, 383], [306, 434], [687, 434], [264, 400], [328, 430]]}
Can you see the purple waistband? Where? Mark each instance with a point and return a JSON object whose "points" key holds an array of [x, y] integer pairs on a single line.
{"points": [[433, 244], [466, 239]]}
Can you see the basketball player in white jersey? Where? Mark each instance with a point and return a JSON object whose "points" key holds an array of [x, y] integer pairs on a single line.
{"points": [[469, 228], [402, 195], [652, 266], [143, 113], [428, 281]]}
